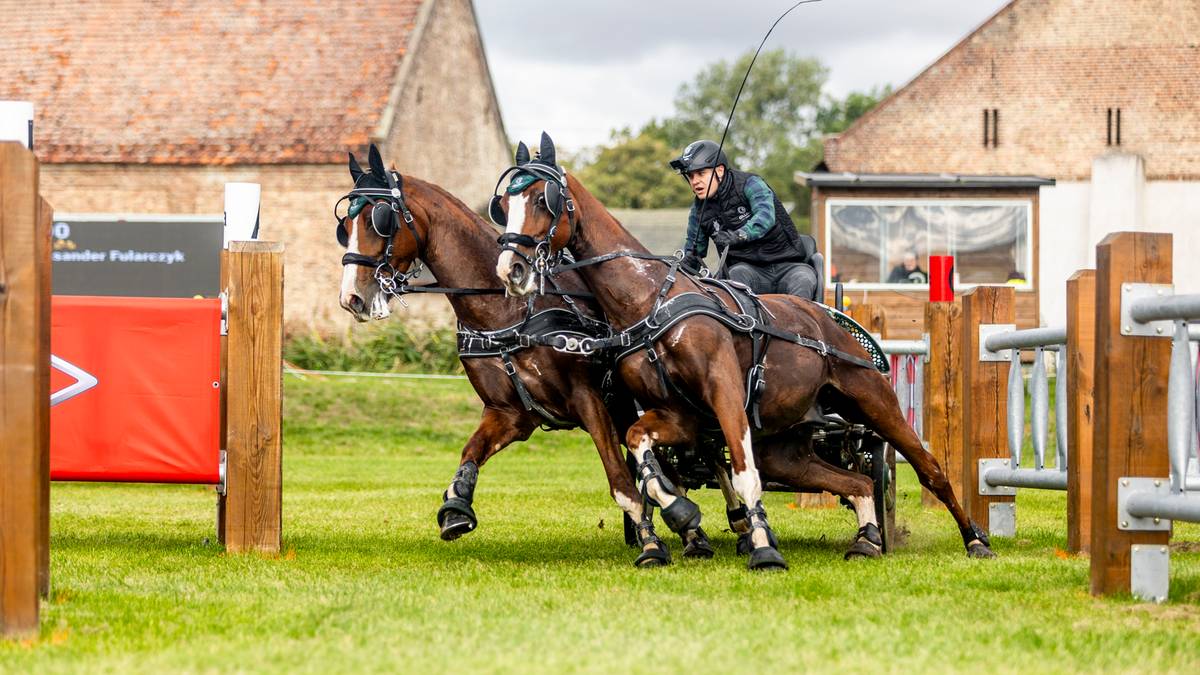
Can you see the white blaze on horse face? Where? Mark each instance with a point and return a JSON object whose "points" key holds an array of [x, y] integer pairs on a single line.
{"points": [[748, 486], [653, 487], [516, 221], [350, 272]]}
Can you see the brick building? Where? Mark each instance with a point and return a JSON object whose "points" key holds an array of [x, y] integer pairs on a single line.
{"points": [[1101, 97], [150, 107]]}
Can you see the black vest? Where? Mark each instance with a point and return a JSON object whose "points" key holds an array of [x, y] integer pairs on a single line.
{"points": [[781, 243]]}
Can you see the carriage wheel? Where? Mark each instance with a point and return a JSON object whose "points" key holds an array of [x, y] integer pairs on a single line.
{"points": [[884, 490]]}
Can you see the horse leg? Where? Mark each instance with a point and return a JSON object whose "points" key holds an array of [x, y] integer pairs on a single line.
{"points": [[662, 427], [599, 425], [804, 469], [496, 431], [726, 402], [876, 402]]}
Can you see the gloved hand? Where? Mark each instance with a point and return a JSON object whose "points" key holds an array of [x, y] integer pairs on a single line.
{"points": [[691, 263], [727, 238]]}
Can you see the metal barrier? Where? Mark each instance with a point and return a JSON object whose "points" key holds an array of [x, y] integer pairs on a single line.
{"points": [[1151, 503], [908, 359]]}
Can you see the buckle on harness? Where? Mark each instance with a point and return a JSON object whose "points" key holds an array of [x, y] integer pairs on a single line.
{"points": [[651, 355], [523, 340], [822, 348], [624, 340], [510, 368]]}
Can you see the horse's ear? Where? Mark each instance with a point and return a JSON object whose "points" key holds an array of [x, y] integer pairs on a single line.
{"points": [[355, 170], [546, 154], [522, 154], [376, 162]]}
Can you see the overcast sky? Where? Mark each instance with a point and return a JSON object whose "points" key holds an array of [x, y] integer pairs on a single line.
{"points": [[581, 68]]}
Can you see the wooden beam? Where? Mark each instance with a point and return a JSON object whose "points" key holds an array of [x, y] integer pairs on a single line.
{"points": [[984, 396], [1130, 437], [943, 387], [1081, 357], [251, 517], [24, 391]]}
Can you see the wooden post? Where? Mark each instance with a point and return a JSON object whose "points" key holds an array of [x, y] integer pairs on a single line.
{"points": [[943, 386], [984, 396], [873, 319], [1130, 437], [1080, 358], [24, 391], [250, 514]]}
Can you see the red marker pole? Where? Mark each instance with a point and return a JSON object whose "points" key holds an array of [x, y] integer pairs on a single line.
{"points": [[941, 278]]}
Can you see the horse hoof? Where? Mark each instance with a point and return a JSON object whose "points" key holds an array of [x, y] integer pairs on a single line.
{"points": [[455, 525], [977, 549], [765, 558], [699, 548], [655, 557], [456, 518], [861, 548]]}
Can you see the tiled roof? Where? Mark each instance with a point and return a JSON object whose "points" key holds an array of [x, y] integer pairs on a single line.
{"points": [[204, 82]]}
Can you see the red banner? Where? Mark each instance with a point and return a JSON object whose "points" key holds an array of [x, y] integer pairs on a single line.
{"points": [[136, 389]]}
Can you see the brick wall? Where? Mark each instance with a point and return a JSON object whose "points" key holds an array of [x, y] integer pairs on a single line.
{"points": [[297, 209], [1052, 69]]}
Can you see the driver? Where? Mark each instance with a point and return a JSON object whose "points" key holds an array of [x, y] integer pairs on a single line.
{"points": [[740, 212]]}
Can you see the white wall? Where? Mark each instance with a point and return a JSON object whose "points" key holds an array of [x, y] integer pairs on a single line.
{"points": [[1075, 216]]}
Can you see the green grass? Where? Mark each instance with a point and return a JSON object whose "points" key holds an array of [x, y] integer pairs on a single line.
{"points": [[366, 585]]}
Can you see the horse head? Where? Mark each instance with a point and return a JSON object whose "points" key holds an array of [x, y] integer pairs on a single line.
{"points": [[537, 214], [381, 236]]}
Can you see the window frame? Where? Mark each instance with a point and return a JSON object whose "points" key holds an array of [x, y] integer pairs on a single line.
{"points": [[1029, 286]]}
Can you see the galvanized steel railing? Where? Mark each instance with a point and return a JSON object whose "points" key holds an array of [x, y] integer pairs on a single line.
{"points": [[1009, 474], [908, 358]]}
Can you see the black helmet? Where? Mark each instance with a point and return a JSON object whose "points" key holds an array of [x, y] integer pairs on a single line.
{"points": [[700, 155]]}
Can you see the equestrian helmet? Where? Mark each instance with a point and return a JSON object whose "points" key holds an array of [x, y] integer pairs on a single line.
{"points": [[700, 155]]}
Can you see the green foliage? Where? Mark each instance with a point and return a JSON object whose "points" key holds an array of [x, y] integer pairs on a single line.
{"points": [[776, 131], [385, 347], [631, 172]]}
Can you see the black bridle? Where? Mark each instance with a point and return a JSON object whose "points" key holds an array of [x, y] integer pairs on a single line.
{"points": [[557, 200], [388, 208]]}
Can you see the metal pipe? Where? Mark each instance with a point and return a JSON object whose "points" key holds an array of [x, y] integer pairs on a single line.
{"points": [[1194, 332], [1026, 478], [919, 398], [1172, 507], [1039, 399], [919, 347], [1166, 307], [1181, 406], [1025, 339], [1016, 409], [1061, 420]]}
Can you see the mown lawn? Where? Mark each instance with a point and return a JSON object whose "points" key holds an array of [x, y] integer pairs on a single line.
{"points": [[546, 583]]}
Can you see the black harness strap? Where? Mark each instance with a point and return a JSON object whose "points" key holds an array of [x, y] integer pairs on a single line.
{"points": [[526, 400]]}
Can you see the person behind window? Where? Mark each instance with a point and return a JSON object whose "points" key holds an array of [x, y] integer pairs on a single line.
{"points": [[741, 214], [1015, 278], [908, 271]]}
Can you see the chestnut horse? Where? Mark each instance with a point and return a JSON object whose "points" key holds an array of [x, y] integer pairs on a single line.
{"points": [[700, 359], [417, 219]]}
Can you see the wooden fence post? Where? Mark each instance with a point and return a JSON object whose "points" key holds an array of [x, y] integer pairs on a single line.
{"points": [[984, 397], [1130, 437], [250, 513], [1080, 359], [943, 386], [24, 391]]}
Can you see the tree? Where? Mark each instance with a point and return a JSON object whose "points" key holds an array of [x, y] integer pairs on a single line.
{"points": [[632, 172]]}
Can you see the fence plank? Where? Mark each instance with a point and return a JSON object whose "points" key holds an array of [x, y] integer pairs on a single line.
{"points": [[1130, 437], [252, 518], [1081, 357], [24, 390], [984, 396], [943, 386]]}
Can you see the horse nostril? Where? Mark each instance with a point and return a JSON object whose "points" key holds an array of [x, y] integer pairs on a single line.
{"points": [[518, 272], [356, 303]]}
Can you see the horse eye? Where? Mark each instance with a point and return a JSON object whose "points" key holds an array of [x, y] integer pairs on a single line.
{"points": [[541, 201]]}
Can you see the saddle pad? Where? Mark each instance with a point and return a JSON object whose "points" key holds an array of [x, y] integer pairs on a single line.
{"points": [[863, 337]]}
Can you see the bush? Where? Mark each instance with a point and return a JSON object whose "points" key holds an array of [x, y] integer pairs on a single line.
{"points": [[384, 347]]}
